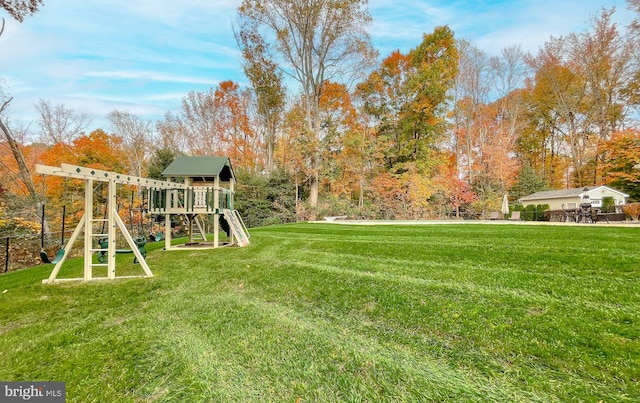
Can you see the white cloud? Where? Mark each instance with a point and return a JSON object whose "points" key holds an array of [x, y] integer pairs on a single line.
{"points": [[491, 26], [145, 55], [150, 75]]}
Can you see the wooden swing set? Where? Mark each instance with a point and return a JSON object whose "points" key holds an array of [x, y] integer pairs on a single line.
{"points": [[106, 249]]}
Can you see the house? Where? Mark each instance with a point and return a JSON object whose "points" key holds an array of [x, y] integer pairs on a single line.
{"points": [[572, 198]]}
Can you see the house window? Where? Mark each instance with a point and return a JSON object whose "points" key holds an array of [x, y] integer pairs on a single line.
{"points": [[596, 202], [572, 205]]}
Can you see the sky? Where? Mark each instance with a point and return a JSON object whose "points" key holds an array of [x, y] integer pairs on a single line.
{"points": [[144, 56]]}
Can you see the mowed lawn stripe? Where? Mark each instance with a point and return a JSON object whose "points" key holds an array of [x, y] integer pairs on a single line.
{"points": [[343, 313], [285, 353], [505, 284], [487, 336], [564, 324]]}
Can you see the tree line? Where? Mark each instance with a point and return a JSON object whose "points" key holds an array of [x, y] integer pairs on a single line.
{"points": [[329, 127]]}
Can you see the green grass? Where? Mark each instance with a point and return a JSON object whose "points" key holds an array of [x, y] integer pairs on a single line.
{"points": [[321, 312]]}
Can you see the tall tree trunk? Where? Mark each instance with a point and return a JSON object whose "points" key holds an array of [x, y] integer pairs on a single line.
{"points": [[24, 173], [313, 190]]}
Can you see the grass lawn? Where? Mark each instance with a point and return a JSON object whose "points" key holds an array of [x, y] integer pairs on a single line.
{"points": [[325, 313]]}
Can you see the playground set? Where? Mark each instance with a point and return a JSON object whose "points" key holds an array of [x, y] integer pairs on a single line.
{"points": [[205, 195]]}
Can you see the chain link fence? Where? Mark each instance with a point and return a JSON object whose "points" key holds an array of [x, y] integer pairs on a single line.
{"points": [[19, 252]]}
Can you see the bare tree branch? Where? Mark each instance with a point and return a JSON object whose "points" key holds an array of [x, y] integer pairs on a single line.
{"points": [[137, 136], [5, 105], [24, 173], [59, 124], [19, 9]]}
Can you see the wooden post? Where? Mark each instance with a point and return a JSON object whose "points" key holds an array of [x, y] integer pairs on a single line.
{"points": [[111, 223], [232, 192], [230, 202], [132, 244], [88, 230], [167, 219], [67, 249], [216, 212]]}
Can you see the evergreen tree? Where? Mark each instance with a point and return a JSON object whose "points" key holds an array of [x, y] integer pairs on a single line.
{"points": [[529, 181]]}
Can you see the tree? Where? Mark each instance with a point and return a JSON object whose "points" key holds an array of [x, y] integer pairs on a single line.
{"points": [[622, 162], [136, 135], [408, 96], [634, 5], [484, 132], [434, 67], [560, 109], [453, 195], [582, 92], [234, 125], [193, 130], [384, 98], [173, 134], [19, 9], [316, 41], [98, 150], [216, 122], [604, 57], [59, 124], [23, 170], [508, 72], [529, 182], [159, 161], [342, 142], [265, 199], [407, 99], [267, 84], [471, 92], [293, 147]]}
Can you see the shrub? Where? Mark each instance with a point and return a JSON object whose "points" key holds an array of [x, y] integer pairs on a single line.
{"points": [[540, 209], [529, 213], [608, 204], [265, 199], [633, 210]]}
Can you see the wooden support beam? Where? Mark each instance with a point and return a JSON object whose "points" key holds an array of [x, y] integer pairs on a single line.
{"points": [[79, 172], [67, 249]]}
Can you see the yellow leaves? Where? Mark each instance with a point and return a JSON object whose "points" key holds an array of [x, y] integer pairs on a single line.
{"points": [[405, 195], [18, 225], [623, 152]]}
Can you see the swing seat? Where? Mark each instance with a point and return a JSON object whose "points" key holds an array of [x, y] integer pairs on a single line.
{"points": [[104, 243], [58, 257], [45, 258]]}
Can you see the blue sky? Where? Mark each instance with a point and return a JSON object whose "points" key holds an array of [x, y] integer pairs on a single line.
{"points": [[143, 56]]}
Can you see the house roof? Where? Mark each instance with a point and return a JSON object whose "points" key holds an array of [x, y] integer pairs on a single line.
{"points": [[563, 193], [200, 168]]}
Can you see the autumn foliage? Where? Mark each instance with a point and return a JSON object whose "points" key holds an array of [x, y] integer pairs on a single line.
{"points": [[441, 130]]}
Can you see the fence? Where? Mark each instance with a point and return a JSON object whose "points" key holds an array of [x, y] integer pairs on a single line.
{"points": [[18, 252]]}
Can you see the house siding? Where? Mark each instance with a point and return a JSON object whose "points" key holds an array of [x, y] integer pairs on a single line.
{"points": [[555, 203], [602, 192], [571, 201]]}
